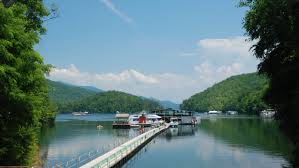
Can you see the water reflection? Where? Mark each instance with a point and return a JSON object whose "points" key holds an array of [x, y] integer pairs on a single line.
{"points": [[218, 141], [251, 133], [71, 138], [181, 130]]}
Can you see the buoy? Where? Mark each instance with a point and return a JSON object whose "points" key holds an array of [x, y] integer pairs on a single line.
{"points": [[99, 126]]}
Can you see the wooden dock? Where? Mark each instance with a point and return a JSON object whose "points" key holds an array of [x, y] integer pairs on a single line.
{"points": [[122, 153]]}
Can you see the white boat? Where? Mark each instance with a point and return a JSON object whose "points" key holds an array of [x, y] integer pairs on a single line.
{"points": [[174, 122], [79, 113], [151, 119], [231, 112], [214, 112], [269, 113], [196, 120]]}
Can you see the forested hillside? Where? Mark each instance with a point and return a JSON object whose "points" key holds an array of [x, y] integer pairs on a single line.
{"points": [[62, 94], [111, 101], [70, 98], [242, 93]]}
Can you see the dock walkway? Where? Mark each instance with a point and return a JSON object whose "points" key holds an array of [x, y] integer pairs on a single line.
{"points": [[125, 151]]}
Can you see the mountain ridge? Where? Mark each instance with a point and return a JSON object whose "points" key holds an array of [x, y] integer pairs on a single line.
{"points": [[69, 98], [242, 93]]}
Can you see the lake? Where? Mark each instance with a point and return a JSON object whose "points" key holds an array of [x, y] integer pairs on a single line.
{"points": [[229, 142]]}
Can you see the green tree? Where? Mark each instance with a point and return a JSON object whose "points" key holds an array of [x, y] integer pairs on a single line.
{"points": [[242, 93], [24, 102], [110, 102], [274, 25]]}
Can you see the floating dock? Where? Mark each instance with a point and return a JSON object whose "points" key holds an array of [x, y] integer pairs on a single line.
{"points": [[122, 153], [184, 117]]}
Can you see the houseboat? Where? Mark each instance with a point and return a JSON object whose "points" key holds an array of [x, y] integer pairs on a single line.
{"points": [[268, 113], [121, 121]]}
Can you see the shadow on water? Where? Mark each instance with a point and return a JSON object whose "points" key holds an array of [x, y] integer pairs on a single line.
{"points": [[218, 142], [255, 133], [181, 130]]}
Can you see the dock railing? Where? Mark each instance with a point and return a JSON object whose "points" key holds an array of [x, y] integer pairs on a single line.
{"points": [[119, 153], [84, 158]]}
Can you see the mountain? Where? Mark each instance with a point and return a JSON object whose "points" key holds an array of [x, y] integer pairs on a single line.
{"points": [[61, 93], [164, 103], [169, 104], [92, 88], [111, 101], [69, 98], [242, 93]]}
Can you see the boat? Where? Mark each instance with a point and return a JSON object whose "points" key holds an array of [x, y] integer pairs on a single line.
{"points": [[268, 113], [231, 112], [174, 122], [121, 121], [145, 120], [79, 113], [126, 121], [213, 112], [195, 120], [99, 126]]}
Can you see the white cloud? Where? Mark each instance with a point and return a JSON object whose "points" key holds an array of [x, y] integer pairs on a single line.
{"points": [[217, 60], [112, 7], [233, 46], [225, 51], [127, 75], [221, 58], [168, 86]]}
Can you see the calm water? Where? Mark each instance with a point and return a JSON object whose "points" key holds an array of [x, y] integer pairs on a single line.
{"points": [[226, 142]]}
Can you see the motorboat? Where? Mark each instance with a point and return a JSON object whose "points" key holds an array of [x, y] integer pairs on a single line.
{"points": [[213, 112], [99, 126], [144, 119], [231, 112], [268, 113], [79, 113], [174, 122]]}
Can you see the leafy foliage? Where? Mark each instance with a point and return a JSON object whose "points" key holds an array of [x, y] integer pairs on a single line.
{"points": [[24, 102], [242, 93], [62, 94], [111, 101], [274, 25]]}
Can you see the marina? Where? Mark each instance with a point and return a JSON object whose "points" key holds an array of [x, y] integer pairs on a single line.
{"points": [[205, 144], [149, 84], [153, 119]]}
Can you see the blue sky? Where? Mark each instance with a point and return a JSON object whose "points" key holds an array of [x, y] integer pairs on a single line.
{"points": [[167, 49]]}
